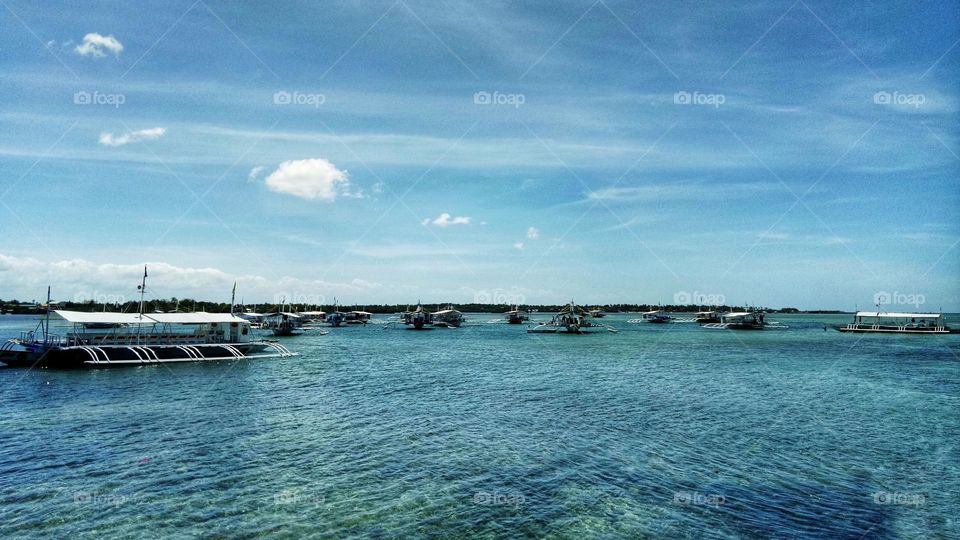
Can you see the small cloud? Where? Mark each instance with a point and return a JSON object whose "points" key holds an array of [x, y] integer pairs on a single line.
{"points": [[310, 179], [108, 139], [255, 173], [518, 245], [94, 45], [445, 220], [533, 233]]}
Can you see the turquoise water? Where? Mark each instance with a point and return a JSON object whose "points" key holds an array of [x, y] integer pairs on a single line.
{"points": [[656, 431]]}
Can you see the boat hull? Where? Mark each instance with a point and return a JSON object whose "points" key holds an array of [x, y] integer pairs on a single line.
{"points": [[73, 357], [894, 330]]}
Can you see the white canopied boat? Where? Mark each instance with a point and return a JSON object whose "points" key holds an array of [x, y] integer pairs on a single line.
{"points": [[450, 318], [707, 317], [897, 323], [516, 316], [570, 320], [656, 316], [123, 339]]}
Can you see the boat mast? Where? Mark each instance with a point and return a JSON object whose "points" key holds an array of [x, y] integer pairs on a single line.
{"points": [[233, 297], [46, 326], [143, 289]]}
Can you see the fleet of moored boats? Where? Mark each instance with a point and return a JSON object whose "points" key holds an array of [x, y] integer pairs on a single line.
{"points": [[101, 339]]}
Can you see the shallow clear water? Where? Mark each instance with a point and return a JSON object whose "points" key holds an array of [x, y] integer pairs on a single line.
{"points": [[656, 431]]}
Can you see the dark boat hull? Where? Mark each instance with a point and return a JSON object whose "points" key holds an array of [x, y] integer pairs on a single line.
{"points": [[115, 356]]}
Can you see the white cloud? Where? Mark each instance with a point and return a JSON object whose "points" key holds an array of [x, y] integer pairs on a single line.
{"points": [[108, 139], [94, 45], [27, 278], [533, 233], [518, 245], [445, 220], [255, 173], [310, 179]]}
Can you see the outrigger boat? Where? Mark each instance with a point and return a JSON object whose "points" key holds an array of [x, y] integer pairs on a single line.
{"points": [[597, 313], [418, 319], [284, 324], [101, 339], [656, 316], [745, 320], [707, 317], [570, 320], [449, 318], [897, 323], [516, 316]]}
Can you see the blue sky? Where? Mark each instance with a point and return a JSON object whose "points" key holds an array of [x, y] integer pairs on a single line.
{"points": [[773, 153]]}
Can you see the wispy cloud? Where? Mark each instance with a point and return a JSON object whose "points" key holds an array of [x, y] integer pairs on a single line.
{"points": [[446, 220], [95, 44], [255, 173], [533, 233], [109, 139]]}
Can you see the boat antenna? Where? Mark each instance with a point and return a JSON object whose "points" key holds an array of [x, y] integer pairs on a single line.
{"points": [[143, 289], [46, 329]]}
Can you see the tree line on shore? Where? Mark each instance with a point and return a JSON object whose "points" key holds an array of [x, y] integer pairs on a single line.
{"points": [[187, 304]]}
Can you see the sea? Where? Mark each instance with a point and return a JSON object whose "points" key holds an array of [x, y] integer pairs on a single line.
{"points": [[486, 431]]}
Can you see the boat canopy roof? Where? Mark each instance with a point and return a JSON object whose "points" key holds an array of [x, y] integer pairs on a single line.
{"points": [[739, 314], [313, 313], [285, 313], [885, 315], [82, 317], [361, 312]]}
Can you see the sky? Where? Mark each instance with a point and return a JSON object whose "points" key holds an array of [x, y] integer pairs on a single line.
{"points": [[771, 153]]}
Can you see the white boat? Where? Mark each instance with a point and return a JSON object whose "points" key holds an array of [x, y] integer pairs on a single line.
{"points": [[897, 323], [516, 316], [570, 320], [745, 320], [357, 317], [707, 317], [656, 316], [417, 319], [450, 318], [284, 324]]}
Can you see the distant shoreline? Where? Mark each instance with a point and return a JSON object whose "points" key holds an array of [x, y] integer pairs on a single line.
{"points": [[169, 305]]}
